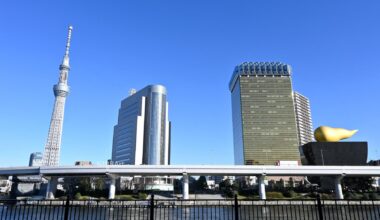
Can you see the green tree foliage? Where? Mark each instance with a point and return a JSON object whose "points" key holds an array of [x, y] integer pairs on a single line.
{"points": [[192, 184], [201, 183], [177, 185], [228, 188], [90, 186], [77, 196], [357, 183]]}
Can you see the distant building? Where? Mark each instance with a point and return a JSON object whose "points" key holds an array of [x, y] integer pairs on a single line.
{"points": [[36, 159], [142, 134], [216, 179], [303, 118], [5, 185], [211, 184], [83, 163], [219, 179], [264, 121]]}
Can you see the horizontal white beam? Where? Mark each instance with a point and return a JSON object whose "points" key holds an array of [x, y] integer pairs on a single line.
{"points": [[196, 170]]}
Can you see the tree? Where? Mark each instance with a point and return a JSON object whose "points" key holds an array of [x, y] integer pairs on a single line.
{"points": [[202, 183], [357, 183], [177, 185], [227, 188], [77, 184]]}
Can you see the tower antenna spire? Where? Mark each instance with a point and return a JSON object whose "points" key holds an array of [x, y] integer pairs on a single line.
{"points": [[68, 40]]}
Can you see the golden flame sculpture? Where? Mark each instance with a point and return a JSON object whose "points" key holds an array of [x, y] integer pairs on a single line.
{"points": [[329, 134]]}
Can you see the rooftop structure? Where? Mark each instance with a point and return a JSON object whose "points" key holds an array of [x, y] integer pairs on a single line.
{"points": [[259, 69]]}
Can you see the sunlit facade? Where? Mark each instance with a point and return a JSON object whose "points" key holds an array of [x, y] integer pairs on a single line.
{"points": [[142, 134], [264, 123], [303, 118], [36, 159]]}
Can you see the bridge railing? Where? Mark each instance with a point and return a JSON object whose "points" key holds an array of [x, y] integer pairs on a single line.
{"points": [[313, 209]]}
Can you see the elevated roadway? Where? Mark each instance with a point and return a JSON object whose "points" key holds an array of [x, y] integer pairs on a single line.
{"points": [[113, 171]]}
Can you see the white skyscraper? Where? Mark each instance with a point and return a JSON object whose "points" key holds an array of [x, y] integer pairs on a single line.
{"points": [[303, 118], [61, 90]]}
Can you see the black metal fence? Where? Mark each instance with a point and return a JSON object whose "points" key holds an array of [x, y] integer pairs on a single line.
{"points": [[191, 209]]}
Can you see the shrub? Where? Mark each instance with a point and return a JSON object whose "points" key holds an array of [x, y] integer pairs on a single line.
{"points": [[142, 195], [351, 195], [248, 192], [374, 196], [230, 192], [289, 194], [274, 195], [77, 196], [85, 198], [124, 197], [326, 196], [59, 193]]}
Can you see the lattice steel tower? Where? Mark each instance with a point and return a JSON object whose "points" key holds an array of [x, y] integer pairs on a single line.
{"points": [[61, 90]]}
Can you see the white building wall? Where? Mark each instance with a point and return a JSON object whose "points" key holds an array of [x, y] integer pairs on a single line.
{"points": [[303, 118]]}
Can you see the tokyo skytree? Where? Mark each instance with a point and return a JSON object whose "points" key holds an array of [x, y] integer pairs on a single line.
{"points": [[61, 90]]}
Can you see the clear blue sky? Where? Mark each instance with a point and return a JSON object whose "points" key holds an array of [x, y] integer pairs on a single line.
{"points": [[191, 47]]}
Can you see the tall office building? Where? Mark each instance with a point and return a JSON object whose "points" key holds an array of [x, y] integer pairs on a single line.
{"points": [[303, 119], [61, 90], [35, 159], [264, 122], [142, 134]]}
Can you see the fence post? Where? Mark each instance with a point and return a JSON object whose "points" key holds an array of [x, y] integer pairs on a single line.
{"points": [[67, 206], [319, 204], [152, 207], [236, 208]]}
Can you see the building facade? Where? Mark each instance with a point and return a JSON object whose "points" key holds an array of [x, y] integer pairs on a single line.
{"points": [[36, 159], [83, 163], [344, 153], [142, 134], [61, 90], [303, 118], [264, 122]]}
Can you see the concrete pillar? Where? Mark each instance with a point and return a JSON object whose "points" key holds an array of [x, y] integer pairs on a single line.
{"points": [[338, 188], [51, 187], [112, 187], [262, 193], [185, 186]]}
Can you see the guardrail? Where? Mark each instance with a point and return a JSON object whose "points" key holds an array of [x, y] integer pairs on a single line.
{"points": [[191, 209]]}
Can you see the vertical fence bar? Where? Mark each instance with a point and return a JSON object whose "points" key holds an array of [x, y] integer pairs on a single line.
{"points": [[374, 210], [2, 209], [151, 207], [319, 204], [236, 206], [18, 210], [67, 205], [38, 210]]}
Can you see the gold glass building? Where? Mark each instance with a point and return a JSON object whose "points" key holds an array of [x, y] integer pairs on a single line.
{"points": [[264, 122]]}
